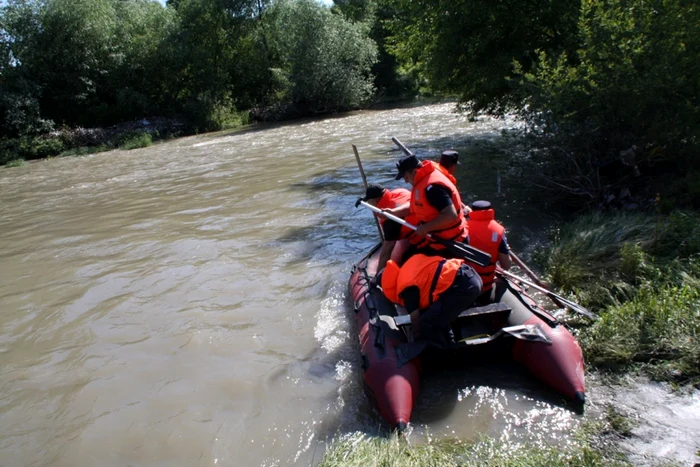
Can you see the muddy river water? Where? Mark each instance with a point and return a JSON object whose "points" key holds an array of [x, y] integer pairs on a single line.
{"points": [[185, 303]]}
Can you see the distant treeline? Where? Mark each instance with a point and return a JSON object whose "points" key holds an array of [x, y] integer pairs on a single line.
{"points": [[593, 78]]}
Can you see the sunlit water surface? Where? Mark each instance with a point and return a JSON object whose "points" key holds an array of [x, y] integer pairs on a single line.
{"points": [[185, 304]]}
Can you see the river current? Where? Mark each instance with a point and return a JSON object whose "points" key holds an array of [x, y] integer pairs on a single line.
{"points": [[185, 303]]}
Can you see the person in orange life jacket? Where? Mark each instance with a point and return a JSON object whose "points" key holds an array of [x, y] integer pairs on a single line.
{"points": [[486, 234], [434, 290], [435, 206], [449, 160], [378, 196]]}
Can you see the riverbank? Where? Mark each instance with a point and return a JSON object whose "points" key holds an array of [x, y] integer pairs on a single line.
{"points": [[78, 141], [637, 423], [591, 445], [641, 273]]}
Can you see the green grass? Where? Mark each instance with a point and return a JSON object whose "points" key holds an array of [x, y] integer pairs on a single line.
{"points": [[136, 140], [15, 163], [360, 450], [642, 274], [657, 331]]}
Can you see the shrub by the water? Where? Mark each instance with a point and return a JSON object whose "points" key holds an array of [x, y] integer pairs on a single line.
{"points": [[641, 273], [15, 163], [29, 147], [136, 140], [85, 150]]}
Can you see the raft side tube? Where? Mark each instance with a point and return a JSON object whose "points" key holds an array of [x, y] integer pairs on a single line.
{"points": [[559, 365], [391, 389]]}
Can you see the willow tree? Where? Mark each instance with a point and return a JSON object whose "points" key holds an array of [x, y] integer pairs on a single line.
{"points": [[324, 60]]}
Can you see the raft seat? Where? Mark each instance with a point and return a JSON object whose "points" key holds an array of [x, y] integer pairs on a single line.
{"points": [[475, 323], [497, 307]]}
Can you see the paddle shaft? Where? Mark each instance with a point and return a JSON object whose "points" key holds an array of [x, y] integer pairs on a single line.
{"points": [[401, 146], [568, 303], [521, 264], [364, 179], [467, 252]]}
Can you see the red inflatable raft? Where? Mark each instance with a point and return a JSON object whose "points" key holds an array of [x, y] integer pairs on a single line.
{"points": [[514, 324]]}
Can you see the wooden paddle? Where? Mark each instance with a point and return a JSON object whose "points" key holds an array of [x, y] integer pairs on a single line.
{"points": [[521, 264], [364, 179], [402, 147], [567, 303]]}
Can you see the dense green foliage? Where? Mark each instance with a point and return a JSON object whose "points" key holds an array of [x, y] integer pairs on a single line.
{"points": [[206, 62], [642, 273], [609, 88], [631, 83], [324, 58], [473, 49]]}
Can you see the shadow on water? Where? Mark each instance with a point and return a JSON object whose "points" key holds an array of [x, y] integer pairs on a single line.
{"points": [[445, 377]]}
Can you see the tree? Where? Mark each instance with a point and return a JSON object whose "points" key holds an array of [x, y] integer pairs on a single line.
{"points": [[325, 59], [19, 100], [470, 47], [390, 79], [206, 46], [631, 82]]}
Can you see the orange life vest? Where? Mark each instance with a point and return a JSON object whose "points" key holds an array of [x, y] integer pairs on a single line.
{"points": [[392, 199], [485, 234], [422, 211], [445, 172], [431, 274]]}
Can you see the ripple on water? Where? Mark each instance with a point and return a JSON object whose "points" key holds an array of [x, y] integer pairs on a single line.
{"points": [[666, 423]]}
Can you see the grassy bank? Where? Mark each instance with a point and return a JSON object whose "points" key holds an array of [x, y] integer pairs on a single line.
{"points": [[589, 446], [79, 141], [13, 152], [641, 273]]}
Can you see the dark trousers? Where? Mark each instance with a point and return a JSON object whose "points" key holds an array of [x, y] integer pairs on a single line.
{"points": [[434, 322]]}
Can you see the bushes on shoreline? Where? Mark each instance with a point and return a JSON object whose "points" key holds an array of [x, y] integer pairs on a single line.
{"points": [[81, 141], [641, 272]]}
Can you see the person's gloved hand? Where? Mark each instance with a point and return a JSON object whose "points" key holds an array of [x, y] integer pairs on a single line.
{"points": [[359, 200]]}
